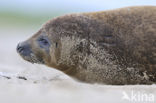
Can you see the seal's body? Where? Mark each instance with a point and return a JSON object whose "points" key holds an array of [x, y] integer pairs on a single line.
{"points": [[111, 47]]}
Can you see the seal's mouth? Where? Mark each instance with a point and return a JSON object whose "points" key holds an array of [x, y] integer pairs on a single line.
{"points": [[33, 59]]}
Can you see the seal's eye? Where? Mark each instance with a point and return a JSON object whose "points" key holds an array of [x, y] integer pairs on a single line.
{"points": [[44, 42]]}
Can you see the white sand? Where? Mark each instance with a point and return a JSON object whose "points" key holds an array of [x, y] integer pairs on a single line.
{"points": [[47, 85]]}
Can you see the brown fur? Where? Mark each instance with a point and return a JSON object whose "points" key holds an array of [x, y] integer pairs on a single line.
{"points": [[112, 47]]}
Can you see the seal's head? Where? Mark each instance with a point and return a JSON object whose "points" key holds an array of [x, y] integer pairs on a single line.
{"points": [[53, 43], [36, 49]]}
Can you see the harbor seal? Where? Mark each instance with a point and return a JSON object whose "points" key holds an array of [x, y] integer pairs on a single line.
{"points": [[111, 47]]}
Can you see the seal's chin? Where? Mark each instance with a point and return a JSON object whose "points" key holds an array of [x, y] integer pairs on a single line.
{"points": [[33, 59]]}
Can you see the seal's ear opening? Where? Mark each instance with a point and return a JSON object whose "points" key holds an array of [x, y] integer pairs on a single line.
{"points": [[56, 44]]}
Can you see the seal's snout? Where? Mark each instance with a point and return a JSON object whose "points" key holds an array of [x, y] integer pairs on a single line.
{"points": [[24, 49]]}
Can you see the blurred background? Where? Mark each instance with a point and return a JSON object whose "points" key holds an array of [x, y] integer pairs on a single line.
{"points": [[20, 19], [33, 13]]}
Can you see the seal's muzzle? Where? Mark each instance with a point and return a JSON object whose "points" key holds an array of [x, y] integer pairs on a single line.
{"points": [[24, 49]]}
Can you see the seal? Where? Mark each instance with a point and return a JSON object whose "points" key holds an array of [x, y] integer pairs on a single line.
{"points": [[111, 47]]}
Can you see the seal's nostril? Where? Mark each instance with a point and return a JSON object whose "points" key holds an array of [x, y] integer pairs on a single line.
{"points": [[20, 49]]}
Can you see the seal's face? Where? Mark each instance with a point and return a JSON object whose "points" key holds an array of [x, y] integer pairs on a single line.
{"points": [[36, 49]]}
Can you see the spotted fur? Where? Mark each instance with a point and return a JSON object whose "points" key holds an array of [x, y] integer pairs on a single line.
{"points": [[111, 47]]}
